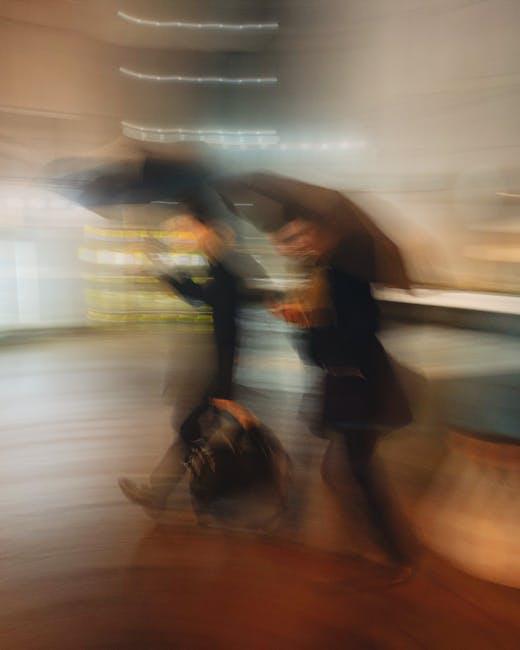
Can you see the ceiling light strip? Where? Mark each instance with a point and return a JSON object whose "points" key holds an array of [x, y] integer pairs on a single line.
{"points": [[179, 24], [208, 137], [216, 131], [271, 142], [199, 80]]}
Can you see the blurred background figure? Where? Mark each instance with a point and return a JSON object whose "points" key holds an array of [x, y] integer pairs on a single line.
{"points": [[222, 291]]}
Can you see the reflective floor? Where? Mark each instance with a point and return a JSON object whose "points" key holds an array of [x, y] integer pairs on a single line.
{"points": [[83, 568]]}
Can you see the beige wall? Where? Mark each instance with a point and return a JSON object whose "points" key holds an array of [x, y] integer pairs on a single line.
{"points": [[432, 88], [427, 90]]}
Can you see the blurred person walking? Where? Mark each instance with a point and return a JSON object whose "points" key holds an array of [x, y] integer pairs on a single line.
{"points": [[223, 292], [362, 397]]}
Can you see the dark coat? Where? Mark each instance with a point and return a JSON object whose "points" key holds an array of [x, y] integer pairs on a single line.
{"points": [[224, 292], [221, 293], [361, 387]]}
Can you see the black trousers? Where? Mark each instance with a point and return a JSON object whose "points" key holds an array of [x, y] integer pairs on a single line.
{"points": [[360, 447], [222, 385], [171, 468]]}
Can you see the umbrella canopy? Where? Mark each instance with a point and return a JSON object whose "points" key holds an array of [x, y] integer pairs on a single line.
{"points": [[129, 183], [133, 176], [125, 174], [363, 248]]}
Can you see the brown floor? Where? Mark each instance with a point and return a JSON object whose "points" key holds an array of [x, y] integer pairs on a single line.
{"points": [[81, 568]]}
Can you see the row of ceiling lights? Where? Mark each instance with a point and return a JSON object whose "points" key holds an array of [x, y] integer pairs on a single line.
{"points": [[177, 24], [221, 137], [213, 132], [266, 139], [197, 80]]}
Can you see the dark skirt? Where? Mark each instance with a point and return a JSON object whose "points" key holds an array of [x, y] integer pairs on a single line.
{"points": [[367, 395]]}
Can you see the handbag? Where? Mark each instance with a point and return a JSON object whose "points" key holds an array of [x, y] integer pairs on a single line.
{"points": [[235, 472]]}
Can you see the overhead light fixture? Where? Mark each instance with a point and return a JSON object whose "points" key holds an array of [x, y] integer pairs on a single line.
{"points": [[175, 78], [220, 137], [207, 131], [243, 139], [179, 24]]}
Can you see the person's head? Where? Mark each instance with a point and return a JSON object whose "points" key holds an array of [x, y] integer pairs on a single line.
{"points": [[302, 238], [215, 239], [212, 238]]}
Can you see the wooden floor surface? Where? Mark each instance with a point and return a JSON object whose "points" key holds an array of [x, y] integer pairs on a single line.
{"points": [[82, 568]]}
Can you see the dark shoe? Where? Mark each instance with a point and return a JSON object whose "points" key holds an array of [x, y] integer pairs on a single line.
{"points": [[141, 494]]}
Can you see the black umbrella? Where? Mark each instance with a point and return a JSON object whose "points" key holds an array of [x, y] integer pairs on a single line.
{"points": [[363, 248], [125, 174], [142, 177], [123, 183]]}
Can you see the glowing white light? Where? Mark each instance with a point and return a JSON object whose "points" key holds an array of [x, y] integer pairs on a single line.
{"points": [[140, 127], [237, 139], [178, 24], [211, 136], [175, 78]]}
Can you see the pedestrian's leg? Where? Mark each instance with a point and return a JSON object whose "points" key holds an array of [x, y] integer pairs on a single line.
{"points": [[223, 383], [361, 447], [168, 472], [153, 495], [171, 468], [165, 477]]}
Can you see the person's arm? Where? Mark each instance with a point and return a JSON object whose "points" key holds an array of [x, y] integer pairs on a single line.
{"points": [[189, 289], [261, 292], [179, 282], [254, 283]]}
